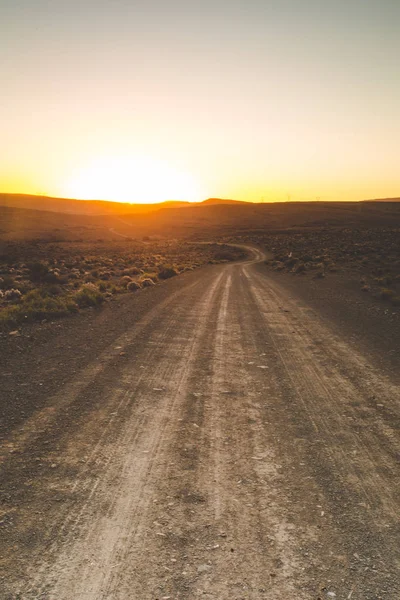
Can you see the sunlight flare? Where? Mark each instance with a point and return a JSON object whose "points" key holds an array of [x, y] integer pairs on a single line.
{"points": [[126, 179]]}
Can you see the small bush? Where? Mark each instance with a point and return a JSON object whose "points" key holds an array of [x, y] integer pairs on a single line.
{"points": [[133, 286], [88, 296], [167, 273], [12, 295], [105, 276], [8, 316], [6, 282], [51, 277], [147, 282], [36, 306], [54, 290], [124, 281], [37, 271]]}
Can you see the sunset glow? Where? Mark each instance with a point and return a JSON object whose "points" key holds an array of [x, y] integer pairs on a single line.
{"points": [[131, 179], [247, 100]]}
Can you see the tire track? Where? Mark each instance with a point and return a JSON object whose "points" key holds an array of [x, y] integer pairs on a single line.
{"points": [[326, 393], [353, 467], [116, 507], [42, 420]]}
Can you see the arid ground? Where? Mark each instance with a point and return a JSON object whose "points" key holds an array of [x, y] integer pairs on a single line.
{"points": [[221, 435]]}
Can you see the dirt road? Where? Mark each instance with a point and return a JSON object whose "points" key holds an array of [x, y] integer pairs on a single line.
{"points": [[228, 445]]}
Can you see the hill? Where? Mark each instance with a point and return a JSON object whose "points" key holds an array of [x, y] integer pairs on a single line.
{"points": [[209, 219], [82, 207], [26, 224]]}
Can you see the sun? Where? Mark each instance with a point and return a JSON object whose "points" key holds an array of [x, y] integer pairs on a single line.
{"points": [[130, 179]]}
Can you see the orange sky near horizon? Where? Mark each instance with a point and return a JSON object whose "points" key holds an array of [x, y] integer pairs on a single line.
{"points": [[183, 100]]}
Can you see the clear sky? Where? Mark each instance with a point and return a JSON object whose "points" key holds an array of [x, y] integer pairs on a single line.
{"points": [[157, 99]]}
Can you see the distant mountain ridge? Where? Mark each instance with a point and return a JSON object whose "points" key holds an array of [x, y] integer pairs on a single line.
{"points": [[83, 207], [207, 220], [97, 207], [105, 208]]}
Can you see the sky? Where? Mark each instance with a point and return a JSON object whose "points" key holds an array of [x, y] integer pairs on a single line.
{"points": [[151, 100]]}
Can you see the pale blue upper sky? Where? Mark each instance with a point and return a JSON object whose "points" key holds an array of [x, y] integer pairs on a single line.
{"points": [[253, 98]]}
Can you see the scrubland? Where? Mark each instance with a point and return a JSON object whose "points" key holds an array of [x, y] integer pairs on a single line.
{"points": [[55, 265], [370, 257], [50, 280]]}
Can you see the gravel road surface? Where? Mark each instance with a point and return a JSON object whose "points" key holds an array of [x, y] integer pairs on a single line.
{"points": [[226, 443]]}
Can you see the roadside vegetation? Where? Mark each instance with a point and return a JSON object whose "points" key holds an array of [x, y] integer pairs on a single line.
{"points": [[51, 280], [371, 257]]}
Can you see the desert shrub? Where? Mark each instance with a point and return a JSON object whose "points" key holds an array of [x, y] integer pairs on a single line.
{"points": [[115, 289], [12, 295], [147, 275], [38, 305], [167, 272], [133, 286], [6, 282], [54, 290], [87, 296], [395, 300], [125, 280], [51, 277], [9, 316], [37, 271], [134, 271], [147, 282], [105, 275]]}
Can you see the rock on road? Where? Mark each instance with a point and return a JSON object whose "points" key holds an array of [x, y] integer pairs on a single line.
{"points": [[229, 445]]}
